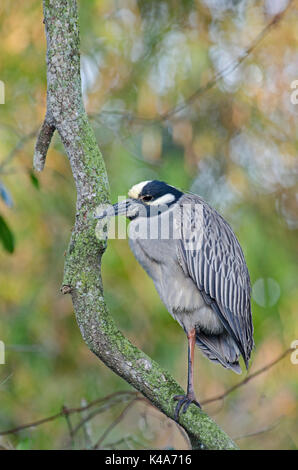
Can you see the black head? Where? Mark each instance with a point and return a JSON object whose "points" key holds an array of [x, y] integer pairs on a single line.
{"points": [[154, 193], [146, 199]]}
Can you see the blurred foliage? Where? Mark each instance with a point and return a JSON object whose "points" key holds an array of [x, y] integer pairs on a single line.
{"points": [[235, 145]]}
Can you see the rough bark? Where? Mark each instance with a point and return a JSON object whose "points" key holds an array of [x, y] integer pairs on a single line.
{"points": [[82, 279]]}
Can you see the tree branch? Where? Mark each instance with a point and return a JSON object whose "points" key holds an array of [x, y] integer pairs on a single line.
{"points": [[223, 73], [82, 275], [231, 66], [247, 379], [104, 402], [122, 396]]}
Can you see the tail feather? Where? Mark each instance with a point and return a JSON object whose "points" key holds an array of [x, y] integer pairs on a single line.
{"points": [[221, 349]]}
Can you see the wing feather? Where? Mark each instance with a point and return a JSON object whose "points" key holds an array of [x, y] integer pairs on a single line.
{"points": [[210, 254]]}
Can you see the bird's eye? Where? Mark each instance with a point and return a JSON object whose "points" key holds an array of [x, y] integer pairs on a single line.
{"points": [[147, 198]]}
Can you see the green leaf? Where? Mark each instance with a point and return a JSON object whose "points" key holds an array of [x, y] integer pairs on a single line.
{"points": [[34, 180], [6, 236]]}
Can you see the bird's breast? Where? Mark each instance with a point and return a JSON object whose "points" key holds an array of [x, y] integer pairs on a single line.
{"points": [[178, 292]]}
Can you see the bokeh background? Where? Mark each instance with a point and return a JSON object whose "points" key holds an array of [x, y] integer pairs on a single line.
{"points": [[234, 143]]}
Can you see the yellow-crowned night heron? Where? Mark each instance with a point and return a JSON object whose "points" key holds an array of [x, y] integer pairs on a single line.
{"points": [[198, 268]]}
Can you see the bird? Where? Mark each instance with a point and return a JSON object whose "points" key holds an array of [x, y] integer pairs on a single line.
{"points": [[199, 271]]}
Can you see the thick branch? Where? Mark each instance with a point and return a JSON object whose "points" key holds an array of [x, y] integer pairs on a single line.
{"points": [[82, 267]]}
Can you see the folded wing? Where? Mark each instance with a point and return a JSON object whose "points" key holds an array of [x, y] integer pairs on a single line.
{"points": [[210, 254]]}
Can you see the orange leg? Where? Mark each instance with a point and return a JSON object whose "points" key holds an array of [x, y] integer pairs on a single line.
{"points": [[191, 353], [189, 398]]}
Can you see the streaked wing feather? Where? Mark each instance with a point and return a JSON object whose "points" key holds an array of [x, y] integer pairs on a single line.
{"points": [[216, 263]]}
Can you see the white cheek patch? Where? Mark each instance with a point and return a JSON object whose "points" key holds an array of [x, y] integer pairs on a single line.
{"points": [[163, 200], [136, 190]]}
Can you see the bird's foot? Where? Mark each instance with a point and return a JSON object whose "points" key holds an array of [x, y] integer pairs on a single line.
{"points": [[184, 401]]}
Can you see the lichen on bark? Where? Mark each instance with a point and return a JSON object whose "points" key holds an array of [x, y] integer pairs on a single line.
{"points": [[82, 279]]}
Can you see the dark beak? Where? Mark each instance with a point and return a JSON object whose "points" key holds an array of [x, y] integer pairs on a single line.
{"points": [[119, 208]]}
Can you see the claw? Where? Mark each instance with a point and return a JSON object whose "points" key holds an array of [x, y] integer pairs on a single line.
{"points": [[185, 401]]}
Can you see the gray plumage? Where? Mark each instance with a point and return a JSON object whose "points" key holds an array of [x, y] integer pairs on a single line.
{"points": [[198, 268], [201, 277]]}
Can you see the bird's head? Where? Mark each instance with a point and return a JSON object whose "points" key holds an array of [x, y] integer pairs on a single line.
{"points": [[145, 199]]}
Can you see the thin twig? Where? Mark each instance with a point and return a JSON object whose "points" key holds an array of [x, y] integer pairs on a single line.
{"points": [[69, 424], [232, 66], [114, 423], [227, 70], [31, 425], [247, 379], [19, 145], [70, 411], [102, 409], [260, 431], [86, 428], [120, 395], [6, 379], [47, 129]]}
